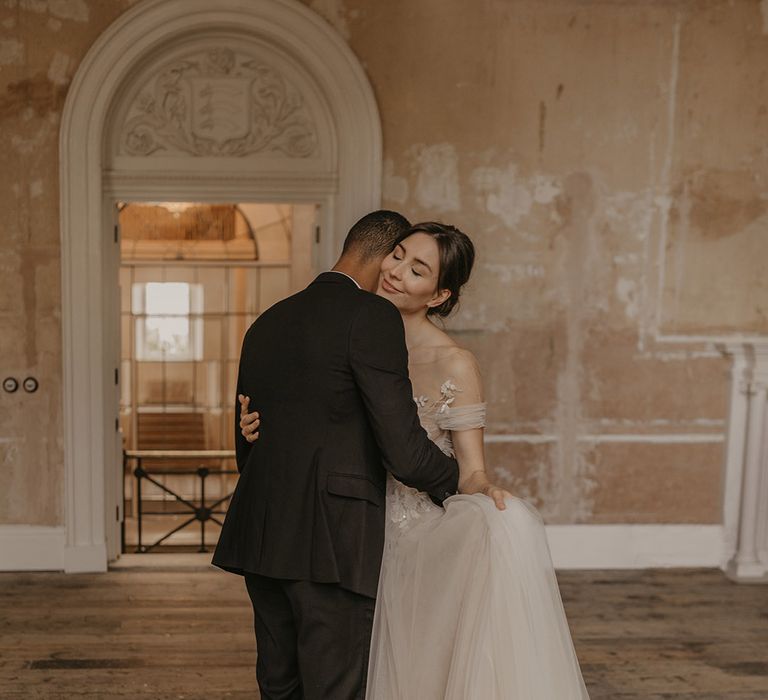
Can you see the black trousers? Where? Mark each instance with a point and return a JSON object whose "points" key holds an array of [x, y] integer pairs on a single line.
{"points": [[312, 639]]}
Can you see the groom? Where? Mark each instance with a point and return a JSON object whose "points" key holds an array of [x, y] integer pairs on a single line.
{"points": [[327, 369]]}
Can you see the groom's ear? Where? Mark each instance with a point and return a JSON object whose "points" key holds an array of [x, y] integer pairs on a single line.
{"points": [[439, 298]]}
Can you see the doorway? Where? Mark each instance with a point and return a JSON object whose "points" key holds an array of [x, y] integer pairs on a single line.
{"points": [[192, 278]]}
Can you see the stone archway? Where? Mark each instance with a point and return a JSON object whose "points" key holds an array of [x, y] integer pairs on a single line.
{"points": [[191, 100]]}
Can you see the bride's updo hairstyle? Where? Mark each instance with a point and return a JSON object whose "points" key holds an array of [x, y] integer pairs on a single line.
{"points": [[457, 255]]}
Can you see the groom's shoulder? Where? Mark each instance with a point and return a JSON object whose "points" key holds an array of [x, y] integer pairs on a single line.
{"points": [[360, 303], [278, 314], [374, 312], [373, 303], [359, 306]]}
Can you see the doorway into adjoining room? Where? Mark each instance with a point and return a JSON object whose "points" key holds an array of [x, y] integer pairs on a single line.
{"points": [[193, 277]]}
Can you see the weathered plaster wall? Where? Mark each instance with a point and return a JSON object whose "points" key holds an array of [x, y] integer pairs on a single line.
{"points": [[41, 44], [607, 157], [717, 234]]}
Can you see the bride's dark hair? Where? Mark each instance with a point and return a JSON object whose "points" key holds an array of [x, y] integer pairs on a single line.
{"points": [[457, 255]]}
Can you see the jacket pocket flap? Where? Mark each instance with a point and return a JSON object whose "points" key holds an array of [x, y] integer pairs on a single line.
{"points": [[354, 486]]}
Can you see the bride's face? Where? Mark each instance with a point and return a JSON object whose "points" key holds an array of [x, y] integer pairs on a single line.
{"points": [[409, 275]]}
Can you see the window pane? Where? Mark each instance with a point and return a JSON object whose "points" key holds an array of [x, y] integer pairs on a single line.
{"points": [[167, 298], [169, 326], [167, 337]]}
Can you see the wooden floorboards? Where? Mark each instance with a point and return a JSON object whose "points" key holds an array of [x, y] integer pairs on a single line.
{"points": [[186, 633]]}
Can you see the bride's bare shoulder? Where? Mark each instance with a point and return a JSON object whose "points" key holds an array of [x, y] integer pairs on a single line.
{"points": [[458, 363], [443, 357], [447, 365]]}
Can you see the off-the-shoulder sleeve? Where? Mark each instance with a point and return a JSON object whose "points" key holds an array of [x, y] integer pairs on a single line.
{"points": [[466, 417]]}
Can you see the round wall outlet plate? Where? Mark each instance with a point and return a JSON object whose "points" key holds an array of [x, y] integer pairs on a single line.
{"points": [[10, 384], [30, 384]]}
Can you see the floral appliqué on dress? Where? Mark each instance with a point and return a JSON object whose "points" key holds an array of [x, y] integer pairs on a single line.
{"points": [[448, 393], [405, 504]]}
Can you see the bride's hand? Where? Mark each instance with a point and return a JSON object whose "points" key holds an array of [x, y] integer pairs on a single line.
{"points": [[477, 482], [249, 422], [498, 495]]}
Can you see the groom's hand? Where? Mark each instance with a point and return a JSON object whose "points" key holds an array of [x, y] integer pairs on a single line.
{"points": [[249, 422]]}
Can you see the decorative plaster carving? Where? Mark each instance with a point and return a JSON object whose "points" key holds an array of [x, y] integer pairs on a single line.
{"points": [[218, 102]]}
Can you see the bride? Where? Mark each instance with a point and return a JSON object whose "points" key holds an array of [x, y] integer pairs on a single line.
{"points": [[468, 605]]}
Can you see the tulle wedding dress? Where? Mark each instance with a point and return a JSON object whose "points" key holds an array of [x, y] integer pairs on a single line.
{"points": [[468, 606]]}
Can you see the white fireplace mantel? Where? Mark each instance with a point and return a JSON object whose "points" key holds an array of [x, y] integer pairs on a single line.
{"points": [[745, 515]]}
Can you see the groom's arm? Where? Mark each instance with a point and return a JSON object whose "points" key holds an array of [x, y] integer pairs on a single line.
{"points": [[379, 361], [242, 446]]}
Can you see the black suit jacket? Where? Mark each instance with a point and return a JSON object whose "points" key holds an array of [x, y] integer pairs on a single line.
{"points": [[327, 369]]}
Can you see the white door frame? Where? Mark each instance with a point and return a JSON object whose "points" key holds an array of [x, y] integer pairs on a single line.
{"points": [[345, 179]]}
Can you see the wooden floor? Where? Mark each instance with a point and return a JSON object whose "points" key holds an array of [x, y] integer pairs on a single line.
{"points": [[132, 633]]}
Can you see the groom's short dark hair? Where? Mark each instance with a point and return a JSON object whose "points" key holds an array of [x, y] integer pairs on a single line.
{"points": [[374, 235]]}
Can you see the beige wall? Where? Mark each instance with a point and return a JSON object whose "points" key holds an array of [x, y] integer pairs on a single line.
{"points": [[41, 44], [609, 160]]}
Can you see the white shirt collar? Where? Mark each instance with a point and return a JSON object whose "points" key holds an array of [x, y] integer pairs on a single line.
{"points": [[338, 272]]}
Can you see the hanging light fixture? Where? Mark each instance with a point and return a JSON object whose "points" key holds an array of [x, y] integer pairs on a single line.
{"points": [[175, 208]]}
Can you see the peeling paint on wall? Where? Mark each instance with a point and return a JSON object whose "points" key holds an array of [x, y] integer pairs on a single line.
{"points": [[58, 71], [503, 193], [437, 183], [515, 272], [545, 189], [69, 9], [626, 291], [395, 187], [76, 10], [720, 203], [34, 96], [30, 145]]}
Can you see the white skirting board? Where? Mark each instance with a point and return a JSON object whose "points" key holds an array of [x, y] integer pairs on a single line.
{"points": [[33, 548], [635, 546]]}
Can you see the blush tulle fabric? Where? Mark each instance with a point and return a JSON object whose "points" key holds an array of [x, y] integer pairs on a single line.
{"points": [[468, 606]]}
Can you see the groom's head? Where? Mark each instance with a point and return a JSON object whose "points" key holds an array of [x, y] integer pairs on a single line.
{"points": [[374, 235], [368, 242]]}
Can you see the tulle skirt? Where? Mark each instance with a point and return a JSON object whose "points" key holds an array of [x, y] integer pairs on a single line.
{"points": [[469, 608]]}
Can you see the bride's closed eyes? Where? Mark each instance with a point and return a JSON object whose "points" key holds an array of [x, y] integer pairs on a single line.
{"points": [[399, 254]]}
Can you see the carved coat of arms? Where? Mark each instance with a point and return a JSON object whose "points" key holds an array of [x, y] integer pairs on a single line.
{"points": [[218, 102], [220, 108]]}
